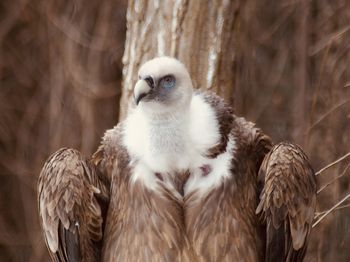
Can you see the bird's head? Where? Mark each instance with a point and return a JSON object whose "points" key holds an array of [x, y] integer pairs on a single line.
{"points": [[164, 84]]}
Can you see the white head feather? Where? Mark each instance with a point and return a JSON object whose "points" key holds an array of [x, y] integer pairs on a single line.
{"points": [[160, 101]]}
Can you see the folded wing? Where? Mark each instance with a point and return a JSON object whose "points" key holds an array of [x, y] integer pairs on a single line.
{"points": [[72, 204], [287, 202]]}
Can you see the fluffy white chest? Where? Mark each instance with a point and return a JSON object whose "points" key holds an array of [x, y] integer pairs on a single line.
{"points": [[167, 146], [176, 143]]}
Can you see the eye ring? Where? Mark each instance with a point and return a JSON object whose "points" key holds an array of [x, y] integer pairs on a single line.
{"points": [[168, 82]]}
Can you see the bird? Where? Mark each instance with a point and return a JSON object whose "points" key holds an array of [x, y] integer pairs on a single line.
{"points": [[182, 178]]}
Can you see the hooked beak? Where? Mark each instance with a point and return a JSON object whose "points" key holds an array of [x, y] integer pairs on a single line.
{"points": [[142, 88]]}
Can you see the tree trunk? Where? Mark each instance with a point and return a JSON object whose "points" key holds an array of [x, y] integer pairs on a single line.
{"points": [[301, 81], [201, 34]]}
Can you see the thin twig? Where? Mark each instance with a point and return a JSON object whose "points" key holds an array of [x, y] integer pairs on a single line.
{"points": [[328, 40], [332, 164], [334, 108], [317, 214], [334, 179], [330, 210]]}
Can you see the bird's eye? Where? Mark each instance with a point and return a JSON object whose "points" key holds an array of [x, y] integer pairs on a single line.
{"points": [[168, 82]]}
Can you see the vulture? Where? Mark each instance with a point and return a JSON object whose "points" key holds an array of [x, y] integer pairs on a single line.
{"points": [[182, 178]]}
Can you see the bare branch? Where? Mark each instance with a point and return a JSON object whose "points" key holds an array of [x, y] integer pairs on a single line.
{"points": [[328, 40], [334, 179], [330, 210], [334, 108], [318, 214], [332, 164]]}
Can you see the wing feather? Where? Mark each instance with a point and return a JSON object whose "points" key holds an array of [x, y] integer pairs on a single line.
{"points": [[287, 202], [71, 196]]}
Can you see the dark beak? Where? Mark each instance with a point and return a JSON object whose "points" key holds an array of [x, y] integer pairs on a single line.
{"points": [[142, 88]]}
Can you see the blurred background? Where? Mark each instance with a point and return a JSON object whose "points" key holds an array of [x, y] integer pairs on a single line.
{"points": [[61, 72]]}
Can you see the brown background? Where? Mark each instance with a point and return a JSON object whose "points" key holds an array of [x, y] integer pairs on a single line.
{"points": [[283, 64]]}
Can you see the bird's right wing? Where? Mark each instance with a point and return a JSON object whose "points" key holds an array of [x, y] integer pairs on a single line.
{"points": [[72, 202]]}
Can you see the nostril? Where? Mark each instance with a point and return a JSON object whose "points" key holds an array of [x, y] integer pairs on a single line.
{"points": [[149, 80]]}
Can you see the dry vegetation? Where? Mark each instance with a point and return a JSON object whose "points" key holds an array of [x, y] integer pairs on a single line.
{"points": [[60, 83]]}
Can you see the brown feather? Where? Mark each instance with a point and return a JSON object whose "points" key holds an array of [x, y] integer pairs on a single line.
{"points": [[222, 225], [70, 214], [165, 224], [287, 201], [225, 117]]}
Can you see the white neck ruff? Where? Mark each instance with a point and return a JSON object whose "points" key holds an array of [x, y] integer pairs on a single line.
{"points": [[172, 142]]}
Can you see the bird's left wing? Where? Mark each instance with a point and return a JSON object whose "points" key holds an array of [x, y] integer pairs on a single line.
{"points": [[287, 202]]}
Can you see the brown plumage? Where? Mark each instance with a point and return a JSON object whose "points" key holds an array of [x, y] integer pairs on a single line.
{"points": [[72, 201], [287, 202], [249, 202]]}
